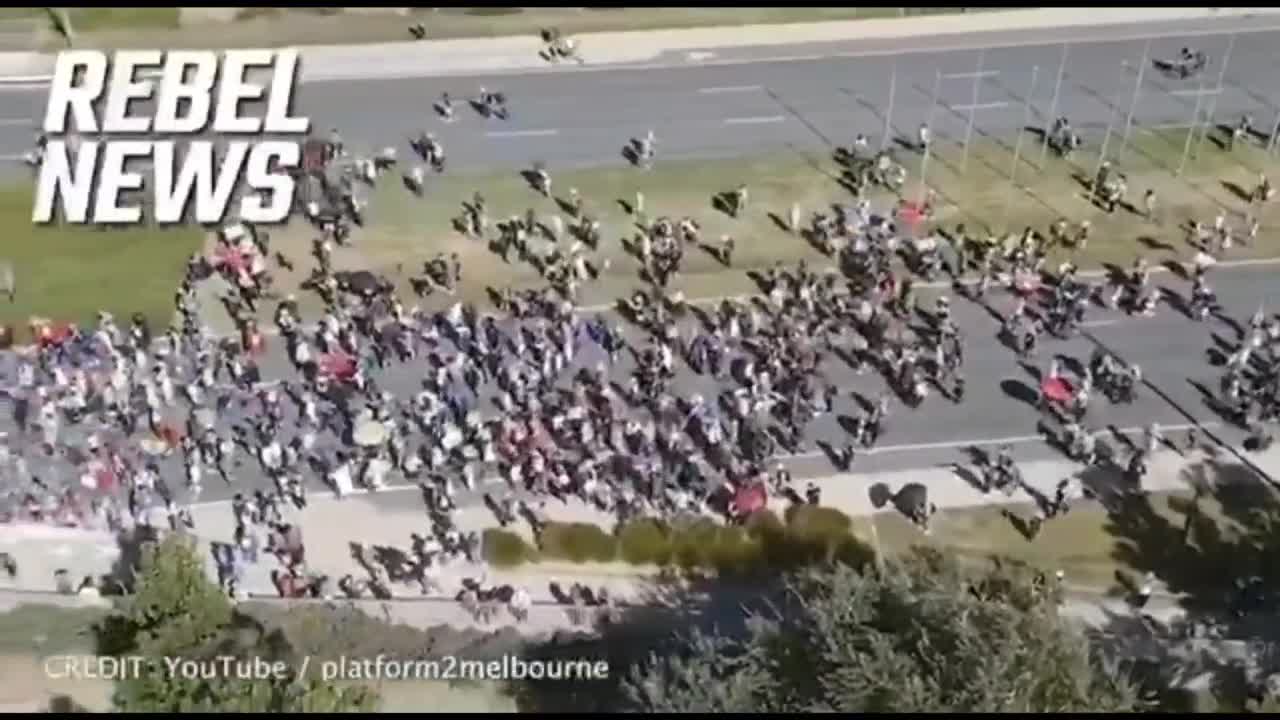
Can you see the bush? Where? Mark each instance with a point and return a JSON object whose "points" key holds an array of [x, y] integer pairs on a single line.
{"points": [[503, 548], [693, 543], [644, 542], [809, 535], [578, 542], [736, 552], [817, 520], [764, 525]]}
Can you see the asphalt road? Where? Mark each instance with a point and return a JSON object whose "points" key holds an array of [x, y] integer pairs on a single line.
{"points": [[575, 118], [584, 118], [998, 407]]}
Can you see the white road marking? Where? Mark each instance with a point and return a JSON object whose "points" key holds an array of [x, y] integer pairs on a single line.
{"points": [[522, 133], [970, 75], [729, 89], [699, 55], [980, 106], [881, 450], [979, 442], [946, 284], [1101, 323], [754, 120], [1195, 91], [24, 79]]}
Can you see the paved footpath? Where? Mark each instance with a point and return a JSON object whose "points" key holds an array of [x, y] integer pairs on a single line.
{"points": [[520, 53], [514, 53], [330, 525]]}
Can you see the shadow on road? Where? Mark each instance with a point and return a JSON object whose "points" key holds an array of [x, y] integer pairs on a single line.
{"points": [[1020, 391], [1198, 545], [1188, 666]]}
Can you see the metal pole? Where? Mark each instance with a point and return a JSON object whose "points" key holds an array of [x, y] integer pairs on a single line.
{"points": [[1275, 132], [973, 109], [888, 114], [924, 159], [1111, 122], [1191, 132], [1133, 102], [1213, 102], [1017, 146], [1053, 104]]}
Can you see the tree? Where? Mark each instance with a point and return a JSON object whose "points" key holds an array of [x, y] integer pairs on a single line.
{"points": [[178, 613], [921, 635]]}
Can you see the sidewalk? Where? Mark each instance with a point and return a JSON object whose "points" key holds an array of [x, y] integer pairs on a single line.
{"points": [[514, 53], [331, 525], [376, 522], [397, 512], [447, 57]]}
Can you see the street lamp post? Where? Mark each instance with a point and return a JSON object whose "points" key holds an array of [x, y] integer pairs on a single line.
{"points": [[1111, 122], [1213, 101], [973, 109], [1053, 104], [888, 115], [1017, 146], [924, 158], [1133, 102], [1191, 131]]}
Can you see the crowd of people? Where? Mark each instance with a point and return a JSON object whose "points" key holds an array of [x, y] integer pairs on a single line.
{"points": [[113, 419]]}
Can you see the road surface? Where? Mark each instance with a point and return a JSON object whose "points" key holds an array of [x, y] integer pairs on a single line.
{"points": [[734, 105], [585, 117], [998, 408]]}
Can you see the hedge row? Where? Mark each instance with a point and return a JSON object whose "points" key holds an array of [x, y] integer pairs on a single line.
{"points": [[810, 534]]}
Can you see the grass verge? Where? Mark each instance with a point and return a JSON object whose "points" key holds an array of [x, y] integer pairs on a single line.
{"points": [[405, 230], [1195, 546], [1194, 543], [69, 272]]}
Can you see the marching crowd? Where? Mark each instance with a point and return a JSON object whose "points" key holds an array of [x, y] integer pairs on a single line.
{"points": [[112, 420]]}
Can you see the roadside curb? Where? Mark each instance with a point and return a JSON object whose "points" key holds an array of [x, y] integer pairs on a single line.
{"points": [[517, 54], [1080, 592]]}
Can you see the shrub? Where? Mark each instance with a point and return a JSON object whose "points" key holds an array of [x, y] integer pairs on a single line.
{"points": [[503, 548], [577, 542], [851, 551], [812, 535], [736, 552], [693, 543], [764, 525], [817, 520], [645, 541], [809, 535]]}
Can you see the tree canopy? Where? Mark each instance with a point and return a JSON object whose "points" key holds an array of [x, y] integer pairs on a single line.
{"points": [[920, 634], [178, 612]]}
